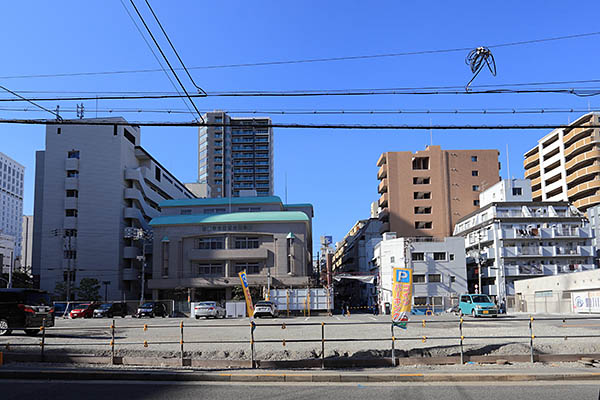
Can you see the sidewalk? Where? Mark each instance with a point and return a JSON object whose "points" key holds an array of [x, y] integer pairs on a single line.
{"points": [[475, 373]]}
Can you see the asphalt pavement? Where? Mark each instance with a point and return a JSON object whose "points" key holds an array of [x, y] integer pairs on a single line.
{"points": [[76, 390]]}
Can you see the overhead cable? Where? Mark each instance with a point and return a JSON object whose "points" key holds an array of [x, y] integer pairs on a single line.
{"points": [[477, 59], [309, 60], [55, 113]]}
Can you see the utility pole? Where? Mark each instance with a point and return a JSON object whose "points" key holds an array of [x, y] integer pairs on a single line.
{"points": [[10, 271], [65, 235], [146, 236], [479, 288]]}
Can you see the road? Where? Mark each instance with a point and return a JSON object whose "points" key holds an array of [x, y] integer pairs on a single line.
{"points": [[76, 390]]}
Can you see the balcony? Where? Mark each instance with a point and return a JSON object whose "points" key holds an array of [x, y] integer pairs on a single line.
{"points": [[531, 160], [70, 203], [70, 223], [582, 158], [382, 188], [587, 202], [131, 252], [384, 214], [228, 254], [532, 172], [72, 164], [385, 227], [382, 173], [576, 134], [71, 183], [580, 144], [383, 200], [582, 188], [592, 170], [382, 160]]}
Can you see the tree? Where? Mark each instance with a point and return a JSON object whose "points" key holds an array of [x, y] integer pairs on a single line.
{"points": [[60, 291], [89, 289], [19, 280]]}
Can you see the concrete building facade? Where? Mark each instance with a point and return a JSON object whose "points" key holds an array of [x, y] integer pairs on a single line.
{"points": [[353, 256], [26, 244], [12, 176], [438, 265], [201, 245], [425, 193], [565, 164], [235, 157], [511, 240], [93, 182]]}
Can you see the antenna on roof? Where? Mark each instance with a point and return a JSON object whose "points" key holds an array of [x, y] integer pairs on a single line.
{"points": [[286, 188], [507, 164]]}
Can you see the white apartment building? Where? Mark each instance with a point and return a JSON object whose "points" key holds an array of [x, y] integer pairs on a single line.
{"points": [[91, 183], [11, 201], [438, 265], [521, 238], [235, 157]]}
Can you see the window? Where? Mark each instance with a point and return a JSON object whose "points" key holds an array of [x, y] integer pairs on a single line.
{"points": [[421, 181], [72, 174], [439, 256], [418, 279], [211, 243], [422, 210], [246, 243], [434, 278], [420, 163], [210, 269], [474, 173], [157, 173], [418, 256], [422, 195], [423, 224], [73, 154], [452, 279], [476, 203], [185, 212], [517, 191], [129, 137], [71, 212], [474, 158], [70, 232], [476, 188], [392, 259], [451, 257], [250, 268], [165, 259], [58, 131], [70, 254]]}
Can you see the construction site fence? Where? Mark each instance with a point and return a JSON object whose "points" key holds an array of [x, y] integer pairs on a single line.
{"points": [[252, 327]]}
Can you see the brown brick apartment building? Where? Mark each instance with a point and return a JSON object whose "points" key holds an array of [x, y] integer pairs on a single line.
{"points": [[425, 193]]}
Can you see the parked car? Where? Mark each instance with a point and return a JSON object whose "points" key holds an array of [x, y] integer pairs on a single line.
{"points": [[25, 309], [151, 309], [477, 305], [110, 310], [209, 309], [85, 310], [265, 309]]}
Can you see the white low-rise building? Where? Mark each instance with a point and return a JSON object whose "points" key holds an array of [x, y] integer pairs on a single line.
{"points": [[520, 239], [439, 269]]}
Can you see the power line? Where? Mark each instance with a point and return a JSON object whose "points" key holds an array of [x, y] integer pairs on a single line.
{"points": [[167, 60], [294, 125], [29, 101], [580, 92], [488, 111], [309, 60], [153, 53], [174, 49]]}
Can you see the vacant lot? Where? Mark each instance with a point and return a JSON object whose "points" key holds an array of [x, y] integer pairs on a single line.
{"points": [[230, 338]]}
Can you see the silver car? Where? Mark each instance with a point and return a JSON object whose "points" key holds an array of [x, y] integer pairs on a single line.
{"points": [[209, 309]]}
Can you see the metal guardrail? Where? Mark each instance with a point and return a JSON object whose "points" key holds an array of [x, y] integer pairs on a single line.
{"points": [[253, 326]]}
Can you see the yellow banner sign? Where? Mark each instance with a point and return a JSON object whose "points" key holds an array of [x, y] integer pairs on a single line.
{"points": [[249, 305], [401, 293]]}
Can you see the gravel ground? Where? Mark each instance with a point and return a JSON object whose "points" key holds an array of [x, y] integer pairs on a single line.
{"points": [[438, 337]]}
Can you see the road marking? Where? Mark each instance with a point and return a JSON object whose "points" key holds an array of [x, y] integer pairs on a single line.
{"points": [[577, 326], [373, 318], [336, 317], [306, 319]]}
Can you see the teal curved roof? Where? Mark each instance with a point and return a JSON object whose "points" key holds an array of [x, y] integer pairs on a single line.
{"points": [[243, 217], [221, 201]]}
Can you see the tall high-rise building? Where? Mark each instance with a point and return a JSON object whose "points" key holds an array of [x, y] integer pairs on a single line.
{"points": [[235, 157], [93, 182], [565, 164], [425, 193], [11, 200]]}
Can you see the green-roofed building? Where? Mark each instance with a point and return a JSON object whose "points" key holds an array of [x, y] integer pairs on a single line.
{"points": [[200, 246]]}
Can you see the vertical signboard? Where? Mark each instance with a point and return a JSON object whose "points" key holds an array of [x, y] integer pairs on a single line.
{"points": [[401, 296], [246, 289]]}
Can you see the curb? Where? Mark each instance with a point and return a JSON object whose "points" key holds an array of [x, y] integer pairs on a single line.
{"points": [[291, 377]]}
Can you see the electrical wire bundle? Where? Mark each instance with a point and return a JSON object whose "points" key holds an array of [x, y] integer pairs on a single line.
{"points": [[476, 59]]}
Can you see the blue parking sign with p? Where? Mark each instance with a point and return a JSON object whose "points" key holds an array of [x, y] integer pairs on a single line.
{"points": [[402, 275]]}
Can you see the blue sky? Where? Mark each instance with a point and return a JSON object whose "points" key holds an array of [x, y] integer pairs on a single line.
{"points": [[334, 170]]}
